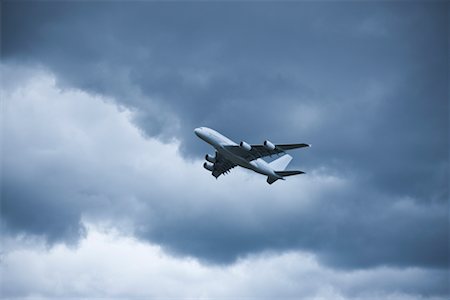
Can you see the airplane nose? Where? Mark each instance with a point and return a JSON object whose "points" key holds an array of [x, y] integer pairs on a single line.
{"points": [[197, 131]]}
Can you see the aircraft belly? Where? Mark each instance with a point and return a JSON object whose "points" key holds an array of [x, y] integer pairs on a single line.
{"points": [[263, 167]]}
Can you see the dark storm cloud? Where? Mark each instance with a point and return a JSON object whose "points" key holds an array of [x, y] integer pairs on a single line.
{"points": [[365, 83], [351, 230], [242, 68]]}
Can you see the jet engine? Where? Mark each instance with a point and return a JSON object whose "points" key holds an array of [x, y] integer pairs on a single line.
{"points": [[208, 166], [268, 145], [245, 146], [209, 158]]}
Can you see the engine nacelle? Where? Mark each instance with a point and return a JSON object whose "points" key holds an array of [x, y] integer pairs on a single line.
{"points": [[208, 166], [245, 146], [268, 145], [209, 158]]}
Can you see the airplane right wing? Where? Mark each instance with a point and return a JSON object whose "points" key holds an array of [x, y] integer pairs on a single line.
{"points": [[259, 151], [222, 165]]}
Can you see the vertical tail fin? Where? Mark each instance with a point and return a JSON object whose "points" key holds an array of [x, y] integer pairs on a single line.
{"points": [[281, 163]]}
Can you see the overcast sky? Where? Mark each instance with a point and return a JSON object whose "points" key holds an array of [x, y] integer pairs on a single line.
{"points": [[103, 193]]}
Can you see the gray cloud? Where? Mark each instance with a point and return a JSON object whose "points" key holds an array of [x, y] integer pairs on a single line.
{"points": [[366, 84]]}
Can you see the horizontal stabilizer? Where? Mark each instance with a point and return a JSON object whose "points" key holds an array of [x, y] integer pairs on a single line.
{"points": [[271, 180], [288, 173]]}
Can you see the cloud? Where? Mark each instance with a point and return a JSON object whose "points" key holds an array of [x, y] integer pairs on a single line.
{"points": [[100, 100], [93, 270], [78, 157]]}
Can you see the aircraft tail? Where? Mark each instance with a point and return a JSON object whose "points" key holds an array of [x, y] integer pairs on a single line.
{"points": [[281, 164]]}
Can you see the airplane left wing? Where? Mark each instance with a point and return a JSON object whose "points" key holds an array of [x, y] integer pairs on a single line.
{"points": [[222, 165], [260, 151]]}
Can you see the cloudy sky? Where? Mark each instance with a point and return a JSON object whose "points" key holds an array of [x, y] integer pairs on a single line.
{"points": [[103, 193]]}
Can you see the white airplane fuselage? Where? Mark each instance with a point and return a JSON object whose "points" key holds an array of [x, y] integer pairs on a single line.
{"points": [[218, 141]]}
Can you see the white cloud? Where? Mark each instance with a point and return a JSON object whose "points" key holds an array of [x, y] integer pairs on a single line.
{"points": [[108, 264]]}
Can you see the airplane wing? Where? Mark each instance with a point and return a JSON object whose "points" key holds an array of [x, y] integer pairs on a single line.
{"points": [[222, 165], [259, 151]]}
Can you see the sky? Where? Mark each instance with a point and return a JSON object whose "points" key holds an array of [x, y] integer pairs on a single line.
{"points": [[103, 193]]}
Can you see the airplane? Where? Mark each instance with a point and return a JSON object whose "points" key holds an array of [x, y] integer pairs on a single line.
{"points": [[229, 155]]}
